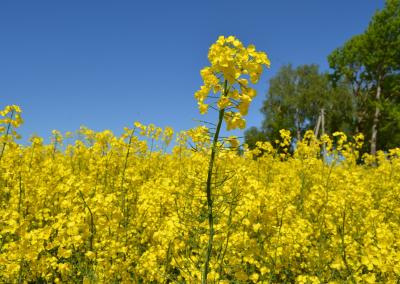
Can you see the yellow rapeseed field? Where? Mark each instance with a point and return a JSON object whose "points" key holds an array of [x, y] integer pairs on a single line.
{"points": [[92, 207]]}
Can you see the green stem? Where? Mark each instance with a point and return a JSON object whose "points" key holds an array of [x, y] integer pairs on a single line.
{"points": [[6, 136], [92, 227], [124, 191], [209, 193]]}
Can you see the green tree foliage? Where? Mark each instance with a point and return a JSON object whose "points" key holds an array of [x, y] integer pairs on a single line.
{"points": [[295, 99], [370, 63], [361, 95], [252, 135]]}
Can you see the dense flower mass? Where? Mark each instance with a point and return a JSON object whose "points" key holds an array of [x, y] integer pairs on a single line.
{"points": [[232, 66], [92, 207]]}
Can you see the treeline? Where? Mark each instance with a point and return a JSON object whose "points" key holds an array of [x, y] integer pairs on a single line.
{"points": [[361, 93]]}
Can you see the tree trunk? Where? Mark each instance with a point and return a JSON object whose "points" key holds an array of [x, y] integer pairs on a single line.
{"points": [[297, 122], [317, 126], [374, 134], [323, 132]]}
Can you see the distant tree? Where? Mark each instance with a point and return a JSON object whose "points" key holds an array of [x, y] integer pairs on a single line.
{"points": [[252, 135], [347, 65], [389, 130], [370, 62], [295, 100]]}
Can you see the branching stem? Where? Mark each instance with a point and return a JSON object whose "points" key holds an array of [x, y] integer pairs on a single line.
{"points": [[7, 134], [209, 192]]}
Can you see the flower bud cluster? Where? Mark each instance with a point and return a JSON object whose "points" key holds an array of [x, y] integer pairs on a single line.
{"points": [[10, 119], [233, 66]]}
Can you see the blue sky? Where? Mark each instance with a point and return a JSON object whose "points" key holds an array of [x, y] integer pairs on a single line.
{"points": [[106, 64]]}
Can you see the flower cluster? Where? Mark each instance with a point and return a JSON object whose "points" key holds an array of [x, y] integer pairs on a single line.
{"points": [[232, 67], [10, 119]]}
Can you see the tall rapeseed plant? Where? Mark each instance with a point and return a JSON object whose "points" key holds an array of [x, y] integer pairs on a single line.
{"points": [[232, 67]]}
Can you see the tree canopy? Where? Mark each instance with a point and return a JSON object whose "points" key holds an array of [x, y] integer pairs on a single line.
{"points": [[361, 94], [295, 100]]}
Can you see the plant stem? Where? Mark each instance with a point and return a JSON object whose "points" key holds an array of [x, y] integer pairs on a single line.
{"points": [[7, 134], [209, 193], [92, 227]]}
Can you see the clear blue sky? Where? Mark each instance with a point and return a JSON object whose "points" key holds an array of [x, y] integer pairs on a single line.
{"points": [[106, 64]]}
